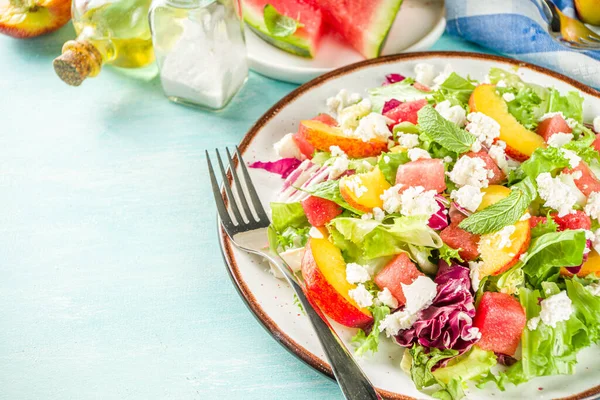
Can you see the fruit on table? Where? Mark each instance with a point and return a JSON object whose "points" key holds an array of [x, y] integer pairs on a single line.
{"points": [[364, 24], [322, 137], [299, 137], [588, 11], [426, 172], [552, 125], [375, 184], [29, 18], [401, 270], [492, 194], [324, 273], [498, 176], [501, 320], [520, 142], [588, 182], [320, 211], [304, 41], [406, 111]]}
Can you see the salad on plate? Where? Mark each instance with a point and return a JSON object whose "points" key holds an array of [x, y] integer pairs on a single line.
{"points": [[456, 218]]}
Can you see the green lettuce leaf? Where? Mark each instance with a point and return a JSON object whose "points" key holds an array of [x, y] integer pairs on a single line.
{"points": [[286, 215], [436, 128], [421, 374], [456, 89], [370, 342], [503, 213], [550, 159], [449, 254], [389, 168], [549, 226], [401, 91], [587, 308], [472, 364]]}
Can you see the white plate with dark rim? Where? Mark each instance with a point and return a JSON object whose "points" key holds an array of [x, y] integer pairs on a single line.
{"points": [[418, 25], [271, 300]]}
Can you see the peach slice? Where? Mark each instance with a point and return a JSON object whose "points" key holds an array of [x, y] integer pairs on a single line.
{"points": [[324, 273], [323, 136], [373, 183], [492, 194], [30, 18], [520, 142], [590, 266]]}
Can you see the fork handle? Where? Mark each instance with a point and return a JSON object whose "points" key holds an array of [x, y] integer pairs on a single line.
{"points": [[352, 380]]}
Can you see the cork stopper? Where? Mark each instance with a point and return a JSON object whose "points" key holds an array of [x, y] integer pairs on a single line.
{"points": [[78, 61]]}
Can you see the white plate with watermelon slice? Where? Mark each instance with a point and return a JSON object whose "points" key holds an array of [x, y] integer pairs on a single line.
{"points": [[332, 34], [272, 301]]}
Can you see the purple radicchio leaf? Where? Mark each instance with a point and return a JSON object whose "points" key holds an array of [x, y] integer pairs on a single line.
{"points": [[390, 105], [393, 78], [448, 322], [439, 220], [283, 167], [505, 359]]}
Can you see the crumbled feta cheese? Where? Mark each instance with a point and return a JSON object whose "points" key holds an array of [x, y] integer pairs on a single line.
{"points": [[556, 308], [386, 159], [386, 298], [498, 154], [597, 124], [348, 119], [286, 147], [594, 288], [501, 83], [468, 197], [572, 123], [550, 115], [522, 257], [592, 208], [475, 273], [378, 214], [577, 175], [476, 146], [416, 153], [366, 216], [338, 167], [504, 235], [469, 171], [508, 97], [419, 296], [568, 180], [424, 74], [525, 217], [361, 296], [557, 194], [501, 143], [448, 159], [573, 158], [533, 323], [367, 166], [416, 201], [356, 273], [484, 128], [355, 185], [315, 233], [373, 126], [293, 258], [341, 100], [559, 139], [441, 78], [336, 151], [455, 114], [392, 200], [408, 140]]}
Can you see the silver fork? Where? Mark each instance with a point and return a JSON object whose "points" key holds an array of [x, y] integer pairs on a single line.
{"points": [[567, 31], [250, 234]]}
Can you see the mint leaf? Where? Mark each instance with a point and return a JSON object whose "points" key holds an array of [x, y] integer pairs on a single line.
{"points": [[278, 24], [447, 134], [503, 213], [370, 342]]}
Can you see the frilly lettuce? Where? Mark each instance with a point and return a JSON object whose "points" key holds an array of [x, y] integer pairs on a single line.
{"points": [[456, 89]]}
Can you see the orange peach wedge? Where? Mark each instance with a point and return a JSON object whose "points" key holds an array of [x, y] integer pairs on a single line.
{"points": [[363, 191], [323, 136], [520, 142], [590, 266], [29, 18], [324, 273]]}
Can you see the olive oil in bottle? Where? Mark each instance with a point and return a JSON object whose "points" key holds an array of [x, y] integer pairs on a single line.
{"points": [[109, 31]]}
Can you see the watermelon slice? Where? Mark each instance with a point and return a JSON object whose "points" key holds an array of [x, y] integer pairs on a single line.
{"points": [[320, 211], [401, 270], [406, 112], [458, 238], [552, 125], [304, 41], [364, 24], [588, 182], [426, 172]]}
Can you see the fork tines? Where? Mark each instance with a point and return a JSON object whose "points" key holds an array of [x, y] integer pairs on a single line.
{"points": [[253, 217]]}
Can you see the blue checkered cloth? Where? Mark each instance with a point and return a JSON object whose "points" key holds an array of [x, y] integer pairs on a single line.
{"points": [[517, 29]]}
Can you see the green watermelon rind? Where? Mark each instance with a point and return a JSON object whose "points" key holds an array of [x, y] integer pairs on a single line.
{"points": [[381, 27], [294, 44]]}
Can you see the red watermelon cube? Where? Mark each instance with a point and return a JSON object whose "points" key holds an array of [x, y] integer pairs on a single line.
{"points": [[458, 238], [320, 211], [406, 111], [426, 172], [534, 221], [596, 144], [552, 125], [577, 220], [299, 137], [588, 182], [490, 165], [501, 320], [401, 270]]}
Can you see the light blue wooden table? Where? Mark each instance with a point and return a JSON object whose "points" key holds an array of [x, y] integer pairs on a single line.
{"points": [[112, 285]]}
